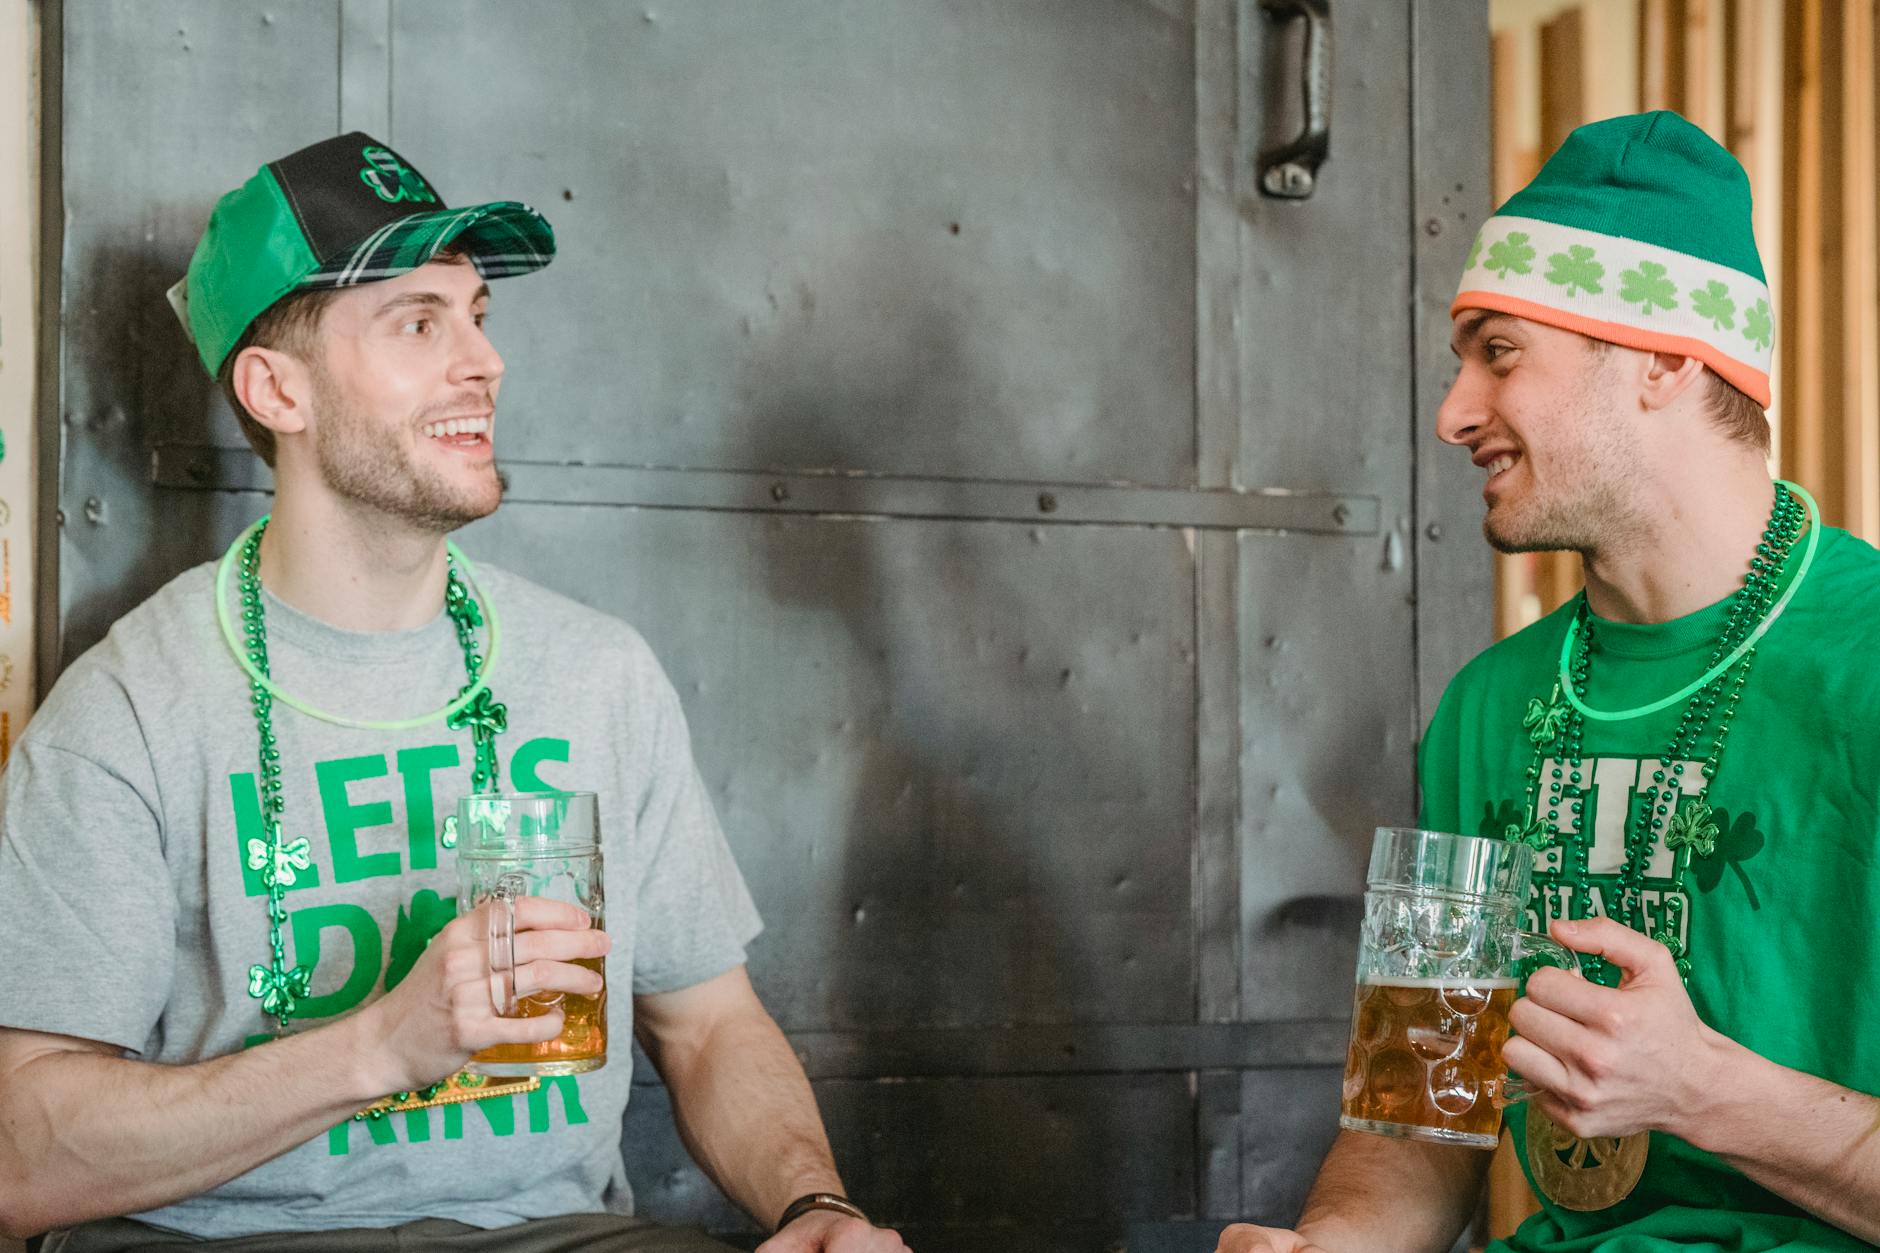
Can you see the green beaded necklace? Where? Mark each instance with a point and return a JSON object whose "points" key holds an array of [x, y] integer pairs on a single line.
{"points": [[1557, 727], [278, 988]]}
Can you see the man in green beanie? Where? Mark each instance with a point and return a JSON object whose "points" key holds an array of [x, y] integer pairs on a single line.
{"points": [[1690, 747]]}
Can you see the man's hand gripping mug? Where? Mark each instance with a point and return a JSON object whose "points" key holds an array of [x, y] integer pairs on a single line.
{"points": [[1440, 962], [547, 844]]}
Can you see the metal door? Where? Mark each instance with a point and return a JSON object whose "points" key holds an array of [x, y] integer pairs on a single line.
{"points": [[1038, 518]]}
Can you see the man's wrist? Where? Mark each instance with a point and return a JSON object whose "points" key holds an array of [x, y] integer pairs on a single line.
{"points": [[362, 1040], [1722, 1082], [812, 1202]]}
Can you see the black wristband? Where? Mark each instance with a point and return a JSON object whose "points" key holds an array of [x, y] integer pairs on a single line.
{"points": [[819, 1200]]}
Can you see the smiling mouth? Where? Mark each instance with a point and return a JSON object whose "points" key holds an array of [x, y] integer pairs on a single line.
{"points": [[458, 432]]}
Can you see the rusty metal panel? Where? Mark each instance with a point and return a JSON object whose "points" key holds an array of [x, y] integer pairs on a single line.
{"points": [[1290, 1118], [167, 103], [954, 758], [1329, 724], [1325, 293], [965, 229], [1455, 572], [942, 1156]]}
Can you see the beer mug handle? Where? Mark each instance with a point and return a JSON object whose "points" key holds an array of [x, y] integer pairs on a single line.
{"points": [[1532, 951], [502, 937]]}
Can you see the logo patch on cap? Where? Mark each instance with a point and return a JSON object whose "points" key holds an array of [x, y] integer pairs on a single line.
{"points": [[390, 179]]}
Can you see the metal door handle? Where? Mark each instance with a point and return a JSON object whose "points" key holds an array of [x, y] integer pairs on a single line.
{"points": [[1290, 170]]}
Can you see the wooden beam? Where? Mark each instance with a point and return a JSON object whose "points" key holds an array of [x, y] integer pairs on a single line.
{"points": [[1504, 113], [1659, 44], [1563, 78], [1753, 131], [1698, 65], [1848, 104], [1804, 400]]}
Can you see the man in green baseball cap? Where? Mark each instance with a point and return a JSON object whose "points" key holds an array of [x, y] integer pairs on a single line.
{"points": [[244, 982], [1688, 747]]}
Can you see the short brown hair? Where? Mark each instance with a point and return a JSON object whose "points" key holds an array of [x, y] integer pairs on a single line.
{"points": [[291, 325], [288, 325], [1736, 415]]}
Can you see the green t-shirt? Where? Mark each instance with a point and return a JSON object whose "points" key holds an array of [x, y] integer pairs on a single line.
{"points": [[1780, 921]]}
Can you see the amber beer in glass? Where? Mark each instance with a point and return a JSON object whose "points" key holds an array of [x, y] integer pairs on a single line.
{"points": [[1438, 966], [547, 844]]}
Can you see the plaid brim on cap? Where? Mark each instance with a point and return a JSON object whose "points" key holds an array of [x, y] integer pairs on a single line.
{"points": [[502, 238]]}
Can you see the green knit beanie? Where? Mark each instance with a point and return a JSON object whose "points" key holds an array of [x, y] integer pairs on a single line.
{"points": [[1636, 232]]}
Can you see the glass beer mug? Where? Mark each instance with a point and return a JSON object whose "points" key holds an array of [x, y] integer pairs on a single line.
{"points": [[511, 845], [1439, 964]]}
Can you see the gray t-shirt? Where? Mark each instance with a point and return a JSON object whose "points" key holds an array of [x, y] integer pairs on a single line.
{"points": [[130, 912]]}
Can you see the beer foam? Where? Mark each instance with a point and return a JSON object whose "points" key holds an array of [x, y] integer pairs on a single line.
{"points": [[1453, 981]]}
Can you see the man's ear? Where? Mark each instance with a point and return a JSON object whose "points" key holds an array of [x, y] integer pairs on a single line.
{"points": [[274, 387], [1664, 377]]}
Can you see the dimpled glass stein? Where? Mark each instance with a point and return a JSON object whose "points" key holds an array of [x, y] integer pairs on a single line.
{"points": [[517, 844], [1439, 963]]}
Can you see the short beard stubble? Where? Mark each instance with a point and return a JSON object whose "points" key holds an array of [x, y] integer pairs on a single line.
{"points": [[365, 462], [1589, 502]]}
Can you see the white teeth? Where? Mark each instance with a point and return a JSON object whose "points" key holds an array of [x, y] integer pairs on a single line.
{"points": [[1499, 464], [455, 426]]}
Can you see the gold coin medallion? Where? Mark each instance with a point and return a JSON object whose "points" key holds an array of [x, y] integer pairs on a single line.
{"points": [[1583, 1175]]}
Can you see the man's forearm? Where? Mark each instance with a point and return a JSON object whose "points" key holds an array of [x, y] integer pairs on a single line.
{"points": [[85, 1135], [746, 1113], [1375, 1195], [1810, 1141]]}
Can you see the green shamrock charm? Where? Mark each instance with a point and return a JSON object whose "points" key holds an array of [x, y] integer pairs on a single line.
{"points": [[278, 990], [1534, 833], [448, 836], [1576, 270], [1511, 254], [1648, 288], [1713, 301], [1693, 827], [1544, 722], [291, 858], [461, 604], [482, 715]]}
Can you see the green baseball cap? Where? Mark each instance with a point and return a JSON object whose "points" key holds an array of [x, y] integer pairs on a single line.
{"points": [[344, 211]]}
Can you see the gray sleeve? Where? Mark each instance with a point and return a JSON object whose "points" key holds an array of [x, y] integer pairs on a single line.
{"points": [[695, 914], [87, 907]]}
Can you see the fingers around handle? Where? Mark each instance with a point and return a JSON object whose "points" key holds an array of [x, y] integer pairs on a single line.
{"points": [[502, 941], [1533, 950]]}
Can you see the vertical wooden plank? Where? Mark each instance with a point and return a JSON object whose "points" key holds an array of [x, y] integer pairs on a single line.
{"points": [[1699, 91], [1804, 451], [1504, 131], [1848, 58], [1658, 32], [1563, 78], [1753, 132]]}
